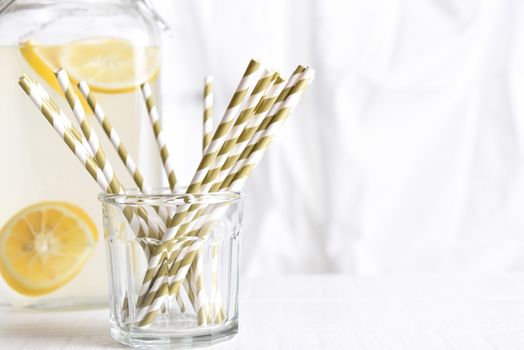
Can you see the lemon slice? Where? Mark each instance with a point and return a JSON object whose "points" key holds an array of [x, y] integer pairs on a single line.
{"points": [[108, 65], [44, 60], [44, 246]]}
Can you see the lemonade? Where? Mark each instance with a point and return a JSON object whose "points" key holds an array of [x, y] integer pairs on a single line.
{"points": [[51, 241]]}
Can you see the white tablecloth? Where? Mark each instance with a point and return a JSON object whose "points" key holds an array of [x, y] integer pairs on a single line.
{"points": [[326, 312]]}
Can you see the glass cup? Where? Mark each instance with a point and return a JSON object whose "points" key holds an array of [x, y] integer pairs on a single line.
{"points": [[173, 284]]}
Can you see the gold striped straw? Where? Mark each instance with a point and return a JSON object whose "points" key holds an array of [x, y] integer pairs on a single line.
{"points": [[207, 125], [147, 312], [146, 224], [264, 112], [210, 153], [164, 254], [87, 130], [71, 137], [268, 111], [150, 225], [267, 79], [289, 102], [157, 129], [247, 141], [201, 306], [55, 118], [172, 270], [39, 93], [113, 136], [215, 310], [217, 140], [62, 125], [241, 172], [261, 87], [224, 125], [250, 116], [168, 256], [124, 155], [233, 107]]}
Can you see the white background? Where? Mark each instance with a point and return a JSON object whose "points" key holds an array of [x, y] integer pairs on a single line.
{"points": [[405, 155]]}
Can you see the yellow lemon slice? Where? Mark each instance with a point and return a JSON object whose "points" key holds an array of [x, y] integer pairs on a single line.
{"points": [[44, 246], [108, 65], [44, 60]]}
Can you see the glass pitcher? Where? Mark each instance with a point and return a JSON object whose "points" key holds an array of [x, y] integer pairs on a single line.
{"points": [[51, 238]]}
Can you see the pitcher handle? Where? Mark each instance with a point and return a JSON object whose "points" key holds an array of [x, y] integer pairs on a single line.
{"points": [[158, 19]]}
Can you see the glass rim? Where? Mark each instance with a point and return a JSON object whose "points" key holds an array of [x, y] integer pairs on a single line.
{"points": [[164, 196]]}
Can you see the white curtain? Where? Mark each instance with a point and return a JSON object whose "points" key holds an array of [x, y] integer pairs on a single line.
{"points": [[406, 155]]}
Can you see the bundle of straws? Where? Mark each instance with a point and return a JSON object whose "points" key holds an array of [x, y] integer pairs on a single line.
{"points": [[259, 106]]}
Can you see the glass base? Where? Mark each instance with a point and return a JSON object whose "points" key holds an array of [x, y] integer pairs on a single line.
{"points": [[150, 339]]}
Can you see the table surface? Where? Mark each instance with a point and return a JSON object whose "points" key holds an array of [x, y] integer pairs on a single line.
{"points": [[326, 312]]}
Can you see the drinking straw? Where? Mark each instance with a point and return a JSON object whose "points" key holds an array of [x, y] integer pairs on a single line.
{"points": [[121, 150], [264, 135], [55, 118], [64, 128], [284, 110], [289, 102], [215, 145], [156, 278], [200, 294], [164, 152], [157, 129], [67, 132], [207, 125], [262, 118], [240, 141], [209, 155], [207, 129], [72, 138], [265, 111], [284, 93], [39, 93], [267, 78], [87, 130], [102, 161], [151, 226], [113, 136], [155, 298], [147, 312], [263, 84], [224, 125]]}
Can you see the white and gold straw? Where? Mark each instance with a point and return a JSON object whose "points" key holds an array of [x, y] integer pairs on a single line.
{"points": [[264, 135], [58, 121], [148, 311], [209, 155], [224, 125], [156, 224], [113, 136], [87, 130], [207, 122], [152, 111], [261, 87]]}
